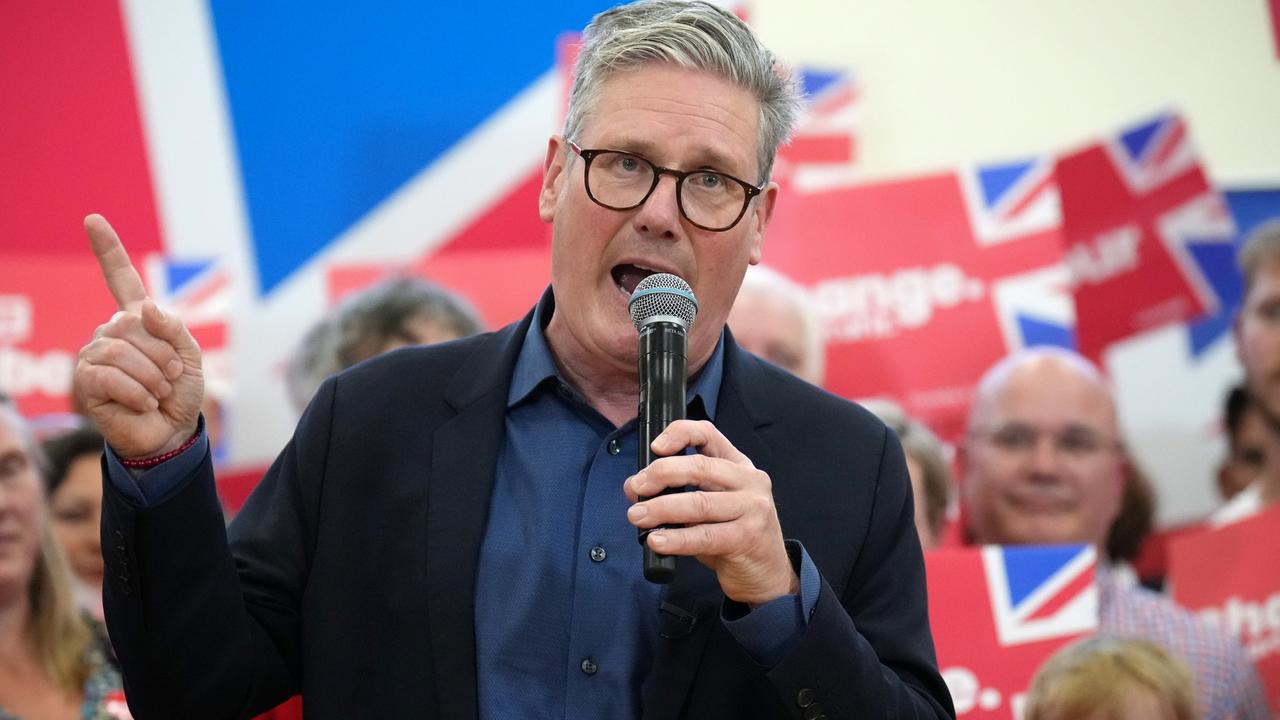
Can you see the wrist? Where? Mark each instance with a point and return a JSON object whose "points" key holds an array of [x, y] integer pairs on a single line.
{"points": [[792, 588], [175, 447]]}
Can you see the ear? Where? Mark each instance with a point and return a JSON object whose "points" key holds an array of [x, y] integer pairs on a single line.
{"points": [[553, 177], [761, 214]]}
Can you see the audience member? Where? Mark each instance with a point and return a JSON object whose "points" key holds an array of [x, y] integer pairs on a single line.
{"points": [[773, 318], [1257, 336], [1044, 464], [926, 464], [1136, 517], [52, 665], [75, 503], [1109, 678], [390, 314], [1246, 443]]}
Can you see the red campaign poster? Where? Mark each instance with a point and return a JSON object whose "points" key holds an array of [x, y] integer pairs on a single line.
{"points": [[998, 613], [1134, 207], [49, 308], [73, 135], [962, 266], [1229, 575]]}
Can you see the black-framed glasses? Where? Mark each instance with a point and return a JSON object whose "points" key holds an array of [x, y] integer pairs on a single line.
{"points": [[620, 180]]}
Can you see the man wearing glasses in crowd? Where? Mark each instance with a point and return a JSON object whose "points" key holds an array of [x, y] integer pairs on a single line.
{"points": [[452, 530], [1043, 463]]}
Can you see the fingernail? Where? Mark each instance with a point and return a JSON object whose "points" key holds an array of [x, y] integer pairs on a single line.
{"points": [[173, 369], [657, 540], [637, 512]]}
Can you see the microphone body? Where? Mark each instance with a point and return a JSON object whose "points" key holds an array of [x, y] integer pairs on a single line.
{"points": [[663, 360], [663, 309]]}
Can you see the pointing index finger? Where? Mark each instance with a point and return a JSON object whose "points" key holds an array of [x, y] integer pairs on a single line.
{"points": [[122, 279]]}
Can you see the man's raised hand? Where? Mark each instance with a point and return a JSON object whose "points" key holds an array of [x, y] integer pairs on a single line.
{"points": [[139, 379]]}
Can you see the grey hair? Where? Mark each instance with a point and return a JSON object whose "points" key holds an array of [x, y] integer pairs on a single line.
{"points": [[1261, 247], [315, 359], [694, 35], [368, 320], [763, 280]]}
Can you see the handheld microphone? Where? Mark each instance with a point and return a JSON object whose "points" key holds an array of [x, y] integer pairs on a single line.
{"points": [[662, 309]]}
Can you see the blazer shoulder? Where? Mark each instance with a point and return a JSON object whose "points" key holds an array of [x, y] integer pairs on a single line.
{"points": [[786, 399]]}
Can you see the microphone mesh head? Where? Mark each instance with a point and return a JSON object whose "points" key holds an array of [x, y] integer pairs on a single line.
{"points": [[663, 294]]}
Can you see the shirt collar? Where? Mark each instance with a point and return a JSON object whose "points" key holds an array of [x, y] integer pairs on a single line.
{"points": [[535, 365]]}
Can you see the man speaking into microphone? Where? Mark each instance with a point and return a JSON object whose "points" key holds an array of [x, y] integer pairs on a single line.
{"points": [[451, 531]]}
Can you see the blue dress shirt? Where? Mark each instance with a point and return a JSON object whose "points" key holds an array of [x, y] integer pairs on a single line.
{"points": [[566, 625]]}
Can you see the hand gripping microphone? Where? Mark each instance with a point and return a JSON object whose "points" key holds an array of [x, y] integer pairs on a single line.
{"points": [[662, 309]]}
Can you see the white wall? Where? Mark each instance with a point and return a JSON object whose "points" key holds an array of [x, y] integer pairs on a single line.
{"points": [[949, 82]]}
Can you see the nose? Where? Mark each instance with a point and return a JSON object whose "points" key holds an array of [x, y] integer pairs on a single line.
{"points": [[659, 216], [1044, 456]]}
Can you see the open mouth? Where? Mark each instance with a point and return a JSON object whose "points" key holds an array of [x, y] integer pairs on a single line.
{"points": [[627, 276]]}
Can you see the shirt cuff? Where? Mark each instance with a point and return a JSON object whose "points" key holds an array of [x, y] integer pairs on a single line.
{"points": [[769, 631], [161, 482]]}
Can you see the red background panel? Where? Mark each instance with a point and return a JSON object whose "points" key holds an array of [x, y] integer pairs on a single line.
{"points": [[72, 136]]}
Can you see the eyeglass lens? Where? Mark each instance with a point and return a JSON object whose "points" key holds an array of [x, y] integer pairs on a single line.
{"points": [[622, 181]]}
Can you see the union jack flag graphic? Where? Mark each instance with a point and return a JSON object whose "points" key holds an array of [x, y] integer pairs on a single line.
{"points": [[1137, 210], [1011, 200], [999, 612], [824, 146], [200, 294], [1152, 153], [1038, 593], [1018, 204]]}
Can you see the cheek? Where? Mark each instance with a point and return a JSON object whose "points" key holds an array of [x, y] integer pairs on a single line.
{"points": [[76, 535], [1259, 342]]}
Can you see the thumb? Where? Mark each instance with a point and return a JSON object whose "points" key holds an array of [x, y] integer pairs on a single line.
{"points": [[166, 326]]}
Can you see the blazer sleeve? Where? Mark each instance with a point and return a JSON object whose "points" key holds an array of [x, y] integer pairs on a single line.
{"points": [[201, 632], [869, 653]]}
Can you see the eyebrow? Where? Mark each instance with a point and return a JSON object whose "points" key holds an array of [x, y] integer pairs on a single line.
{"points": [[12, 454]]}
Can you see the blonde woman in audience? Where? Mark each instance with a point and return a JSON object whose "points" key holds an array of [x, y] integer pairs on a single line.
{"points": [[1111, 678], [51, 664]]}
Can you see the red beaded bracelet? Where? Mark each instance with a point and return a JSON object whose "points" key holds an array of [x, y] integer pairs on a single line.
{"points": [[150, 462]]}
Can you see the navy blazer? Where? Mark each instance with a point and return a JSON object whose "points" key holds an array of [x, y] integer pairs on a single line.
{"points": [[349, 574]]}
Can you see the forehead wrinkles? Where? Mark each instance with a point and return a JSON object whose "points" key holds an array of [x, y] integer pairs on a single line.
{"points": [[639, 107]]}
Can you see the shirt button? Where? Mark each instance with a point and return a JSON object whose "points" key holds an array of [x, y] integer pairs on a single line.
{"points": [[614, 449], [589, 667], [598, 554]]}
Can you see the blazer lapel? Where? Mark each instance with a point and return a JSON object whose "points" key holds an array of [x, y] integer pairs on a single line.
{"points": [[464, 458], [691, 606]]}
